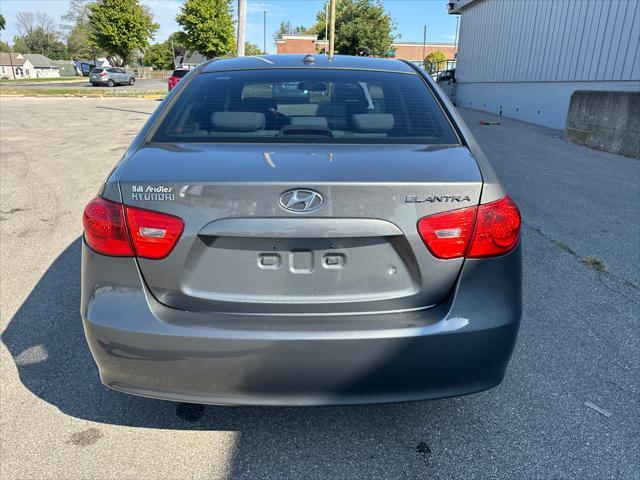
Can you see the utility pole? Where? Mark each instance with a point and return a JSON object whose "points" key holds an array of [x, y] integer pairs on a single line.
{"points": [[326, 27], [332, 29], [13, 69], [242, 20], [424, 46], [264, 32], [173, 55]]}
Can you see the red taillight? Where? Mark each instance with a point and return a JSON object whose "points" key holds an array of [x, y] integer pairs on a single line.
{"points": [[113, 229], [105, 230], [102, 74], [486, 231], [497, 229], [153, 234], [447, 234]]}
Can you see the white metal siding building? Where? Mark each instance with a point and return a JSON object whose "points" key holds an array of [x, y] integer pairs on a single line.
{"points": [[524, 58]]}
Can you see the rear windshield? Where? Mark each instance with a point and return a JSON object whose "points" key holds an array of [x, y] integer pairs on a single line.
{"points": [[97, 70], [300, 105], [180, 73]]}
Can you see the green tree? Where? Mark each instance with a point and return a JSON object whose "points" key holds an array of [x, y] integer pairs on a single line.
{"points": [[207, 27], [39, 41], [4, 46], [120, 27], [79, 43], [19, 45], [3, 22], [286, 28], [78, 30], [37, 33], [435, 61], [363, 27], [159, 56], [251, 49], [178, 47], [283, 29]]}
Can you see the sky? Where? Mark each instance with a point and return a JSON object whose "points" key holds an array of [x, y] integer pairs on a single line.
{"points": [[410, 17]]}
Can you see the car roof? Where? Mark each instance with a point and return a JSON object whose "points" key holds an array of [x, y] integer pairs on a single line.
{"points": [[298, 61]]}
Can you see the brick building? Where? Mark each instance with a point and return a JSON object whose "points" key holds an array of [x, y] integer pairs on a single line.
{"points": [[412, 51], [299, 44]]}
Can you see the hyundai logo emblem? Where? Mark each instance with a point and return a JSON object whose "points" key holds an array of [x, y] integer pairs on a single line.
{"points": [[300, 200]]}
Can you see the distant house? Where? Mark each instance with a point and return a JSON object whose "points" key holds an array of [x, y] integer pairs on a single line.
{"points": [[66, 68], [191, 60], [15, 65], [43, 67]]}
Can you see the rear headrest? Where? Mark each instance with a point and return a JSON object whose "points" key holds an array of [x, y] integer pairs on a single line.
{"points": [[237, 121], [373, 122]]}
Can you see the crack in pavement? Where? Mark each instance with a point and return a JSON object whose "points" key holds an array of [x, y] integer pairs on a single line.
{"points": [[16, 209], [602, 275]]}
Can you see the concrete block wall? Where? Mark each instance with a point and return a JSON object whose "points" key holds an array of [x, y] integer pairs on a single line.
{"points": [[543, 103], [605, 120]]}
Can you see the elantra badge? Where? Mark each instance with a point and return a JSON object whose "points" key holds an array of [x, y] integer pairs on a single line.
{"points": [[437, 198]]}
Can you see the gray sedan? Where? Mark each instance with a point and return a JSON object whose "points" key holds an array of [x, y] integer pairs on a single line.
{"points": [[299, 230]]}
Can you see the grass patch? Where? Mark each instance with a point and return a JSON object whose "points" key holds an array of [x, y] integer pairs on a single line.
{"points": [[47, 92], [81, 92], [594, 263], [42, 80]]}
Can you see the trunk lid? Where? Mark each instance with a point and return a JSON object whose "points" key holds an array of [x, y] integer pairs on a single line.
{"points": [[247, 247]]}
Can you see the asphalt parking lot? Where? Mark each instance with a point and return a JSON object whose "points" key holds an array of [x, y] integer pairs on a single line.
{"points": [[579, 342]]}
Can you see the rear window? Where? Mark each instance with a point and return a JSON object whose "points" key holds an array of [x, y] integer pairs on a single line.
{"points": [[300, 105], [97, 70], [180, 73]]}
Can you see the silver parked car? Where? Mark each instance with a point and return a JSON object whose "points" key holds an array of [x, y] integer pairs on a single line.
{"points": [[299, 230], [111, 77]]}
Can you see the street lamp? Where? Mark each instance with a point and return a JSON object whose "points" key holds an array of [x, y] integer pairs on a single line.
{"points": [[424, 47]]}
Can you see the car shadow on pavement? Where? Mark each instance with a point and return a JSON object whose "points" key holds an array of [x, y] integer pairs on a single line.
{"points": [[46, 341]]}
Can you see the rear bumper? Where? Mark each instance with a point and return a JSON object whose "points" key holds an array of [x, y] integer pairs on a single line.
{"points": [[145, 348]]}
